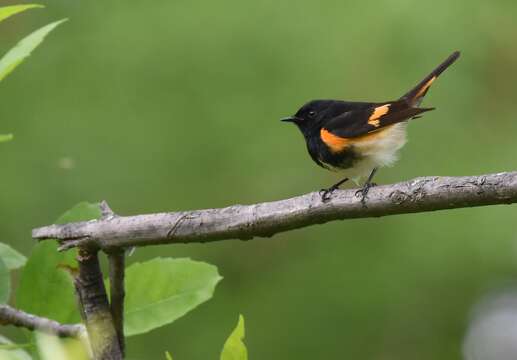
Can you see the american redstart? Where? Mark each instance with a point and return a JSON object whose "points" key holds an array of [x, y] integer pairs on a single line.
{"points": [[359, 137]]}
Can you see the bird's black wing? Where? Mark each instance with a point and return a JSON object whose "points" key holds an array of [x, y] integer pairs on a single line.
{"points": [[363, 121]]}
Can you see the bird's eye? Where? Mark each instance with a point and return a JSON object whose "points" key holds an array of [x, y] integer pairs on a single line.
{"points": [[312, 113]]}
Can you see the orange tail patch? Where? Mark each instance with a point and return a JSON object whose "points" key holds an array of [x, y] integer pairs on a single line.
{"points": [[374, 119], [424, 88]]}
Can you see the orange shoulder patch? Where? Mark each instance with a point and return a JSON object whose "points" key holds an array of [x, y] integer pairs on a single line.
{"points": [[334, 142], [377, 113]]}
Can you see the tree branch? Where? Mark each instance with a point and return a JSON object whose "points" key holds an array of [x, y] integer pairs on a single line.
{"points": [[117, 266], [267, 219], [12, 316], [117, 293], [95, 309]]}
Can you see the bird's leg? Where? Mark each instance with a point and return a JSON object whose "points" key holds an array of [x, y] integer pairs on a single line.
{"points": [[367, 185], [326, 193]]}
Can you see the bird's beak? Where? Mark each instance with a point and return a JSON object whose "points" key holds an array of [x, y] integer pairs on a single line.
{"points": [[289, 119]]}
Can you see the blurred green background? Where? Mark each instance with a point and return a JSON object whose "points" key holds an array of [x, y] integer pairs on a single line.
{"points": [[169, 105]]}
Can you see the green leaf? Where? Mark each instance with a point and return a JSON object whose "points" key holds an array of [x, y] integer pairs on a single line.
{"points": [[23, 49], [168, 355], [5, 283], [50, 347], [7, 137], [11, 258], [14, 353], [8, 11], [84, 211], [234, 348], [15, 346], [45, 288], [163, 289]]}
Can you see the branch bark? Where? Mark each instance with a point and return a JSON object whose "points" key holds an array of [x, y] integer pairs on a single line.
{"points": [[95, 308], [117, 293], [267, 219], [117, 264], [15, 317]]}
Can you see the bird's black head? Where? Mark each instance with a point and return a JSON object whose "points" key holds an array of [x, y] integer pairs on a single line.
{"points": [[310, 117]]}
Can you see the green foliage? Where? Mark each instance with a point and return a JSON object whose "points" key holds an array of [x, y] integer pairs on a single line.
{"points": [[6, 137], [10, 351], [53, 348], [50, 347], [43, 276], [11, 258], [84, 211], [162, 290], [14, 346], [8, 11], [23, 49], [5, 283], [234, 348]]}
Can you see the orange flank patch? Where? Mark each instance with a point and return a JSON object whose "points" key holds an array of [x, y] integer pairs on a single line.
{"points": [[424, 88], [334, 142], [337, 144], [377, 113]]}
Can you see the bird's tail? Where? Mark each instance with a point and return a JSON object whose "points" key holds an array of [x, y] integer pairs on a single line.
{"points": [[414, 96]]}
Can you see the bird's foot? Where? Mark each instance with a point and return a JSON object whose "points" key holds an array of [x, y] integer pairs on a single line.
{"points": [[326, 194], [363, 192]]}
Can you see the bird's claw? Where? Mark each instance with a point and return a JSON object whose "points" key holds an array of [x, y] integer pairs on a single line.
{"points": [[326, 194], [363, 192]]}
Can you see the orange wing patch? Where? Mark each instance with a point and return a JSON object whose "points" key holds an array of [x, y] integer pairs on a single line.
{"points": [[424, 88], [374, 119]]}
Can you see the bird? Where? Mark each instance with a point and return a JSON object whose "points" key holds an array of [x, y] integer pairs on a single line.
{"points": [[357, 138]]}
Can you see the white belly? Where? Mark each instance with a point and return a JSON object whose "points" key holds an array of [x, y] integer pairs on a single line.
{"points": [[378, 151]]}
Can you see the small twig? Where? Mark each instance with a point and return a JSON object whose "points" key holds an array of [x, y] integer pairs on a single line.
{"points": [[266, 219], [95, 308], [106, 212], [15, 317], [117, 293]]}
